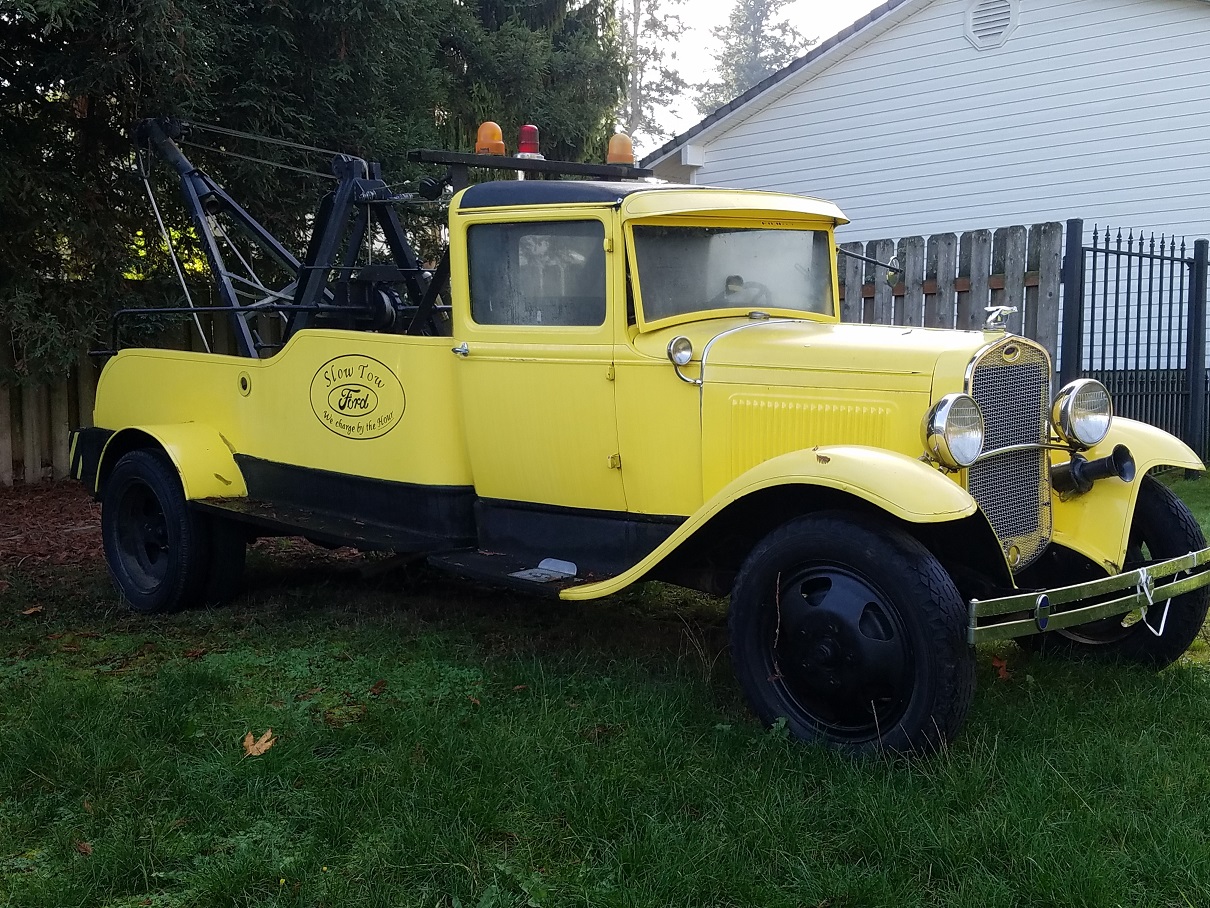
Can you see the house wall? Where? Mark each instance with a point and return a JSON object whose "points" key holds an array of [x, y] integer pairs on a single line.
{"points": [[1092, 108]]}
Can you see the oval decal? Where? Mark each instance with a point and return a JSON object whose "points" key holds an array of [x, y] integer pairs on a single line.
{"points": [[357, 397]]}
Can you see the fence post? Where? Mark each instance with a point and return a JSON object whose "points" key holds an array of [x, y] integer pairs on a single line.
{"points": [[1195, 358], [1073, 301]]}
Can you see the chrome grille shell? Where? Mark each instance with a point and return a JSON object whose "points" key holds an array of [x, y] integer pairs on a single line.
{"points": [[1010, 380]]}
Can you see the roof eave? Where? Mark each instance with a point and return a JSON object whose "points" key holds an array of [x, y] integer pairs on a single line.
{"points": [[819, 56]]}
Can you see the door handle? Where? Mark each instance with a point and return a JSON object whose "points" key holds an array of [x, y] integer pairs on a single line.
{"points": [[461, 350]]}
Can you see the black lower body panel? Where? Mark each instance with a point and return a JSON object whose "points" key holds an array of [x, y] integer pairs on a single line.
{"points": [[85, 453], [599, 543], [344, 509]]}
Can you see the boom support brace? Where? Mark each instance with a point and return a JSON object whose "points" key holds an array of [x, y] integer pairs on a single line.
{"points": [[343, 292]]}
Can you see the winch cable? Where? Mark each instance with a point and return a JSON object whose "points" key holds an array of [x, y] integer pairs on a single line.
{"points": [[256, 160], [176, 263], [253, 137]]}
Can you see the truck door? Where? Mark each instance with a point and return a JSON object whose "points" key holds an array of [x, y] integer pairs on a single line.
{"points": [[537, 373]]}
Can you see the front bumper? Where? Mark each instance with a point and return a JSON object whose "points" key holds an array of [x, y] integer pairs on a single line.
{"points": [[1048, 610]]}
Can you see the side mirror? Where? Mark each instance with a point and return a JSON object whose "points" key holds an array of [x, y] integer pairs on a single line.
{"points": [[893, 276]]}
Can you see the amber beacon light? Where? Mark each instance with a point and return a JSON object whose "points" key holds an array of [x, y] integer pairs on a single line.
{"points": [[490, 140], [621, 150]]}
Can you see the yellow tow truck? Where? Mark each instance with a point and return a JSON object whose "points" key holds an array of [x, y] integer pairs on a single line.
{"points": [[607, 380]]}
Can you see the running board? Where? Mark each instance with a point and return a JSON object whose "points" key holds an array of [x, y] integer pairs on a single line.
{"points": [[547, 579]]}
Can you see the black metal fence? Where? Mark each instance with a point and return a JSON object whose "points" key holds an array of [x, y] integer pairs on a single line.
{"points": [[1134, 318]]}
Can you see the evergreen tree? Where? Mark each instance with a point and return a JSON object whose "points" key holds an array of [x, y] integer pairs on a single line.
{"points": [[755, 42], [368, 77], [650, 30]]}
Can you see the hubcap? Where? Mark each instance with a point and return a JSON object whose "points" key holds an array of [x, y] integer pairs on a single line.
{"points": [[840, 651], [142, 536]]}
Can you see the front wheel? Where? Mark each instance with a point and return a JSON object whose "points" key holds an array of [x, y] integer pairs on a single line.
{"points": [[1162, 528], [851, 631]]}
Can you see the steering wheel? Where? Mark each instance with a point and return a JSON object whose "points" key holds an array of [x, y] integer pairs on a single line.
{"points": [[739, 294], [761, 296]]}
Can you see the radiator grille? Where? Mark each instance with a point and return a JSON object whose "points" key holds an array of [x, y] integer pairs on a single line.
{"points": [[1011, 383]]}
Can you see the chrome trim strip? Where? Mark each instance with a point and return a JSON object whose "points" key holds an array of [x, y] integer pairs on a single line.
{"points": [[1145, 591], [1026, 447], [701, 380]]}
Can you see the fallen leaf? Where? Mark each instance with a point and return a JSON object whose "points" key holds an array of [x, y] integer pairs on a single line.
{"points": [[32, 611], [309, 694], [88, 807], [83, 847], [256, 747], [1001, 668], [474, 700], [69, 648], [195, 653], [378, 687], [520, 687]]}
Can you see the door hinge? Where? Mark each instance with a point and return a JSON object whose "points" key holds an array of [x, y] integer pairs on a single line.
{"points": [[615, 461], [609, 373]]}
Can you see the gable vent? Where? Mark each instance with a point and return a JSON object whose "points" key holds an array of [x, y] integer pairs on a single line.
{"points": [[990, 22]]}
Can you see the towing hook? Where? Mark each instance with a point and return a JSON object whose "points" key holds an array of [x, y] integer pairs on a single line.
{"points": [[1078, 474]]}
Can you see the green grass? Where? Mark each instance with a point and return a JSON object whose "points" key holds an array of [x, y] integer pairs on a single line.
{"points": [[443, 744]]}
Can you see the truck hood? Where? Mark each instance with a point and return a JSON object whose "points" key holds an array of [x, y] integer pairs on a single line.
{"points": [[799, 353]]}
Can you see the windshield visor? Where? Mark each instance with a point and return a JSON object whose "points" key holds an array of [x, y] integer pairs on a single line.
{"points": [[687, 270]]}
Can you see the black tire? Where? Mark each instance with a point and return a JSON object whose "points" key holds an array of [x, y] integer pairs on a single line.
{"points": [[1162, 527], [228, 544], [850, 630], [156, 547]]}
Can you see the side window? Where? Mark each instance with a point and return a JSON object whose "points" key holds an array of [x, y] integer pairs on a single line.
{"points": [[537, 273]]}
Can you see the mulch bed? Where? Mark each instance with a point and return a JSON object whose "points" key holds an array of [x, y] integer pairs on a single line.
{"points": [[58, 523], [49, 523]]}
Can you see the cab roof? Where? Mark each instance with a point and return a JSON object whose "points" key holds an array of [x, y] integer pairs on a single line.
{"points": [[640, 197]]}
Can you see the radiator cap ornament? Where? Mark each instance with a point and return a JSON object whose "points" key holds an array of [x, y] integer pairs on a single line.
{"points": [[997, 317]]}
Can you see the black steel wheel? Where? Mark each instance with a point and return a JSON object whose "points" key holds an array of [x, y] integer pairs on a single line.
{"points": [[1162, 528], [155, 546], [851, 631]]}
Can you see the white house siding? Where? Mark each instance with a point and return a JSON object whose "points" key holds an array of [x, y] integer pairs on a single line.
{"points": [[1092, 108]]}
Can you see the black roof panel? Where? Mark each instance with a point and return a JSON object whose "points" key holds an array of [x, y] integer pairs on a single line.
{"points": [[506, 193]]}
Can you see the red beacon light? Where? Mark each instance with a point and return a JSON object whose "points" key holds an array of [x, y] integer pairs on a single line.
{"points": [[490, 140], [527, 143], [621, 150]]}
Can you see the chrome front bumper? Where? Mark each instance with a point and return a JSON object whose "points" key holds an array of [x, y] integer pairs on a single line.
{"points": [[1067, 606]]}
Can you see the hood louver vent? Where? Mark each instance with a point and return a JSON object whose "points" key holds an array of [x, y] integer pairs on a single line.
{"points": [[989, 22]]}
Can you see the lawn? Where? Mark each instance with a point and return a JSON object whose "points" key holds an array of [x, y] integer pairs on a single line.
{"points": [[441, 744]]}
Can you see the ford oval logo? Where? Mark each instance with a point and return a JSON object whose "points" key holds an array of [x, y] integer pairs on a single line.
{"points": [[351, 398]]}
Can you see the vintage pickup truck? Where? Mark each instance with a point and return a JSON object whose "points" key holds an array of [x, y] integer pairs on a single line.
{"points": [[612, 380]]}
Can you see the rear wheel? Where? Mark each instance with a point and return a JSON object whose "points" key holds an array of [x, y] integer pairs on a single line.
{"points": [[852, 632], [155, 546], [1162, 528]]}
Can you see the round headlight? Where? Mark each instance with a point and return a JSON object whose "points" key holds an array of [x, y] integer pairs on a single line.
{"points": [[1082, 413], [680, 350], [953, 430]]}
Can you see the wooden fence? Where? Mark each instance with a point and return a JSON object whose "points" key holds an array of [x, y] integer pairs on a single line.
{"points": [[946, 281]]}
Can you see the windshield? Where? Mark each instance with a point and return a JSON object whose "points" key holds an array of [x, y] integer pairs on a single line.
{"points": [[691, 269]]}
